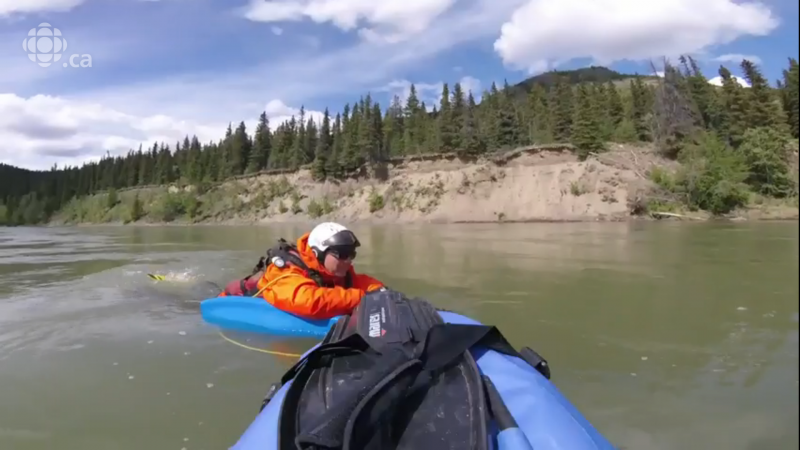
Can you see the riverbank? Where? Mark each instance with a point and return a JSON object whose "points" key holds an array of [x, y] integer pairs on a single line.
{"points": [[530, 184]]}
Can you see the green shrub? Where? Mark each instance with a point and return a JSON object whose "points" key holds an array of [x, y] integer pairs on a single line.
{"points": [[713, 176], [314, 209], [765, 152], [376, 202], [166, 207]]}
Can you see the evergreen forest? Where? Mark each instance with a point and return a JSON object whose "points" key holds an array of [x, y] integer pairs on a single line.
{"points": [[731, 140]]}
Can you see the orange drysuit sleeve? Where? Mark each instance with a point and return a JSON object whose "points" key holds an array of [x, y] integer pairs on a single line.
{"points": [[293, 292], [365, 282]]}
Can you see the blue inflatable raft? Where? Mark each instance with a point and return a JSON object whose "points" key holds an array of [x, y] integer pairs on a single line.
{"points": [[544, 416]]}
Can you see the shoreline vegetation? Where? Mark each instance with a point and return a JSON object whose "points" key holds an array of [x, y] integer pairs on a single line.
{"points": [[584, 145]]}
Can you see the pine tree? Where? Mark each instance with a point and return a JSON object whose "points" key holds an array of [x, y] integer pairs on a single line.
{"points": [[489, 116], [458, 102], [195, 160], [262, 144], [333, 168], [431, 141], [675, 115], [734, 117], [761, 108], [323, 149], [586, 129], [472, 143], [561, 110], [377, 153], [312, 136], [539, 130], [507, 126], [212, 162], [448, 130], [639, 110], [615, 110], [790, 93], [228, 161], [393, 129], [702, 94], [414, 130], [144, 174]]}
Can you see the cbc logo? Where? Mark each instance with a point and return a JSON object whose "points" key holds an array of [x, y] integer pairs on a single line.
{"points": [[45, 46]]}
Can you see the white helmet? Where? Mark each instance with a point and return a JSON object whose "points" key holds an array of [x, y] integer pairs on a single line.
{"points": [[331, 234]]}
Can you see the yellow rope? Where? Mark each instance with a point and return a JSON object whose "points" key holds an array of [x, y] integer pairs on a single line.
{"points": [[270, 283], [256, 349], [257, 294]]}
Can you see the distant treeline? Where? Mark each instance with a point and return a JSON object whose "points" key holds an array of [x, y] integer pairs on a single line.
{"points": [[675, 111]]}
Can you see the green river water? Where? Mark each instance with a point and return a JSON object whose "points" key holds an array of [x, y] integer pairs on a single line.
{"points": [[666, 336]]}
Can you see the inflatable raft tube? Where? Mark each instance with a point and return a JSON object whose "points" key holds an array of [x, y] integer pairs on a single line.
{"points": [[546, 418]]}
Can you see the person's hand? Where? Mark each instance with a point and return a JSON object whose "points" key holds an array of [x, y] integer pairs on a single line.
{"points": [[374, 287]]}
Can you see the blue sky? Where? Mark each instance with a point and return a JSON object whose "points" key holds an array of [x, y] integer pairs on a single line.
{"points": [[165, 68]]}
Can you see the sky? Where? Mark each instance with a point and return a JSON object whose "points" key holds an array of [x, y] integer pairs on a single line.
{"points": [[136, 72]]}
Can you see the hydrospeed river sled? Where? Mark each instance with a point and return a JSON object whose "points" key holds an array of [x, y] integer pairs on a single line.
{"points": [[528, 411]]}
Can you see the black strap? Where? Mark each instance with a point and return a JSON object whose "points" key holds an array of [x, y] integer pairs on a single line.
{"points": [[446, 342], [260, 265], [395, 376], [497, 407], [243, 287], [288, 252], [301, 372], [354, 343], [348, 280], [330, 430], [443, 344]]}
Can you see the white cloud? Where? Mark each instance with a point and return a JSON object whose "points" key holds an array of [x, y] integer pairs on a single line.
{"points": [[204, 103], [386, 21], [469, 83], [543, 34], [41, 130], [277, 31], [8, 7], [278, 112], [738, 58], [430, 93], [717, 81], [221, 96]]}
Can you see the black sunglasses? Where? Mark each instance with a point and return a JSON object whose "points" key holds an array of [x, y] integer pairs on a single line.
{"points": [[343, 252]]}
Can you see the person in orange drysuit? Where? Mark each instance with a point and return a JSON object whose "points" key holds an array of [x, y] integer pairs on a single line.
{"points": [[314, 279]]}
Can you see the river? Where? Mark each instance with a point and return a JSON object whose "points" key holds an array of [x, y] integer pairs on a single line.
{"points": [[665, 335]]}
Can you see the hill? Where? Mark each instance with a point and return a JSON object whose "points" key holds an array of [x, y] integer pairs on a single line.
{"points": [[592, 74], [732, 144]]}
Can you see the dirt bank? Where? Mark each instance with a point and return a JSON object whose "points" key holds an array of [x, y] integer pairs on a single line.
{"points": [[531, 184]]}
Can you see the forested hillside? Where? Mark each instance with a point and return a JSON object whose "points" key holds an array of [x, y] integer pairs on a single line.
{"points": [[731, 140]]}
